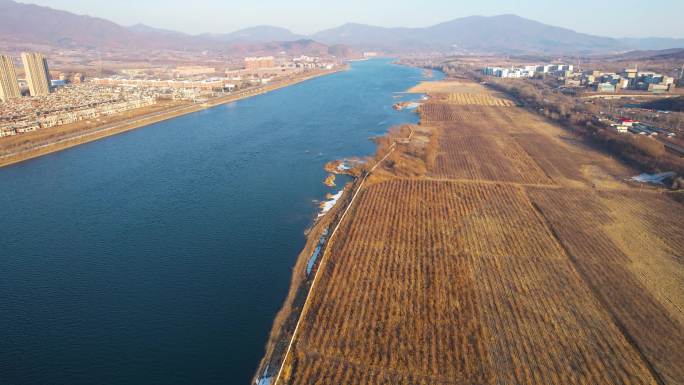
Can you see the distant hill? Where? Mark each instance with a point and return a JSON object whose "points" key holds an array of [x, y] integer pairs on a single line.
{"points": [[672, 53], [341, 51], [295, 48], [368, 37], [31, 24], [35, 24], [146, 29], [510, 33], [262, 33], [496, 34], [43, 25], [652, 43]]}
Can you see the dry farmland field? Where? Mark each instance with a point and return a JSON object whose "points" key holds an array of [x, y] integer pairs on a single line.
{"points": [[513, 255]]}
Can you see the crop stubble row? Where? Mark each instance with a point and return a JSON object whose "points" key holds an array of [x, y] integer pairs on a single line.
{"points": [[448, 282], [576, 217], [460, 283]]}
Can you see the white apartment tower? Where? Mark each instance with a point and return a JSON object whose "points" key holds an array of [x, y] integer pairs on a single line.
{"points": [[37, 73], [9, 87]]}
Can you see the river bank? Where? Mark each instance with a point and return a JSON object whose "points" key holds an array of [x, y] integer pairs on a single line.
{"points": [[320, 241], [67, 141], [163, 255]]}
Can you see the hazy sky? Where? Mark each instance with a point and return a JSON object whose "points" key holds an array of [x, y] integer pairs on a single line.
{"points": [[615, 18]]}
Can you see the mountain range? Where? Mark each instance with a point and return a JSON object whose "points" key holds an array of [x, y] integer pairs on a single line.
{"points": [[261, 33], [509, 34]]}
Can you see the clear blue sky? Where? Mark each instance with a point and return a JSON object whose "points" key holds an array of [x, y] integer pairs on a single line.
{"points": [[615, 18]]}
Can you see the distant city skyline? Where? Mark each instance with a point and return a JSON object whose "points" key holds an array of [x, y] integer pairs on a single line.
{"points": [[612, 18]]}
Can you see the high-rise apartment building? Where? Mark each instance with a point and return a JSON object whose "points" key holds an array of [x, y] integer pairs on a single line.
{"points": [[37, 73], [9, 87], [257, 63]]}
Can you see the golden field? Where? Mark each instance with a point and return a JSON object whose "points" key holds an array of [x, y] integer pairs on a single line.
{"points": [[493, 248]]}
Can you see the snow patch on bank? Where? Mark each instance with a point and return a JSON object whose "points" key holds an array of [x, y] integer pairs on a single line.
{"points": [[326, 206], [657, 179], [265, 379], [317, 252]]}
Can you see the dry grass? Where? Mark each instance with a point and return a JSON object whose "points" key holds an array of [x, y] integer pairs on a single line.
{"points": [[438, 288], [481, 157], [474, 144], [638, 289], [475, 99], [648, 229], [494, 249], [412, 157], [446, 87]]}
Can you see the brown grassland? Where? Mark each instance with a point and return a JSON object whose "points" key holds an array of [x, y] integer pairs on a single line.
{"points": [[464, 99], [493, 248]]}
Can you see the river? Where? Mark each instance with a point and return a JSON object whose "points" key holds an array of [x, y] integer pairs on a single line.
{"points": [[161, 255]]}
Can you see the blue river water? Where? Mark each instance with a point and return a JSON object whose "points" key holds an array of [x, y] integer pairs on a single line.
{"points": [[161, 256]]}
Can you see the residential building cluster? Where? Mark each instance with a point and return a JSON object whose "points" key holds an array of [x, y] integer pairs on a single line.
{"points": [[215, 84], [196, 83], [528, 71], [37, 76], [68, 99], [625, 125], [283, 67], [310, 62], [185, 71], [629, 79], [66, 105], [599, 81], [256, 63]]}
